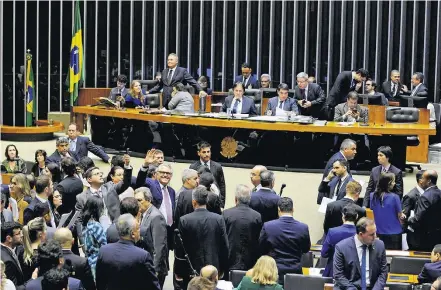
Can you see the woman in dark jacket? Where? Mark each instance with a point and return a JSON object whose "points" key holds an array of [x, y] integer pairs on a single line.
{"points": [[40, 162]]}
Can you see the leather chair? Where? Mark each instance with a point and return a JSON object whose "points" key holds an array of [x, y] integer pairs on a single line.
{"points": [[153, 100], [272, 92], [253, 94], [298, 281], [29, 165], [407, 265], [190, 89], [236, 276], [147, 84], [405, 115], [436, 138], [307, 260], [399, 286]]}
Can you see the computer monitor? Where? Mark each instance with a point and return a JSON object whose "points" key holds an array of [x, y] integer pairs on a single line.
{"points": [[413, 101], [272, 92], [370, 99]]}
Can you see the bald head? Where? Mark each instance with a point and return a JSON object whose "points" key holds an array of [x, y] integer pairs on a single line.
{"points": [[64, 237], [430, 177], [210, 272], [255, 174]]}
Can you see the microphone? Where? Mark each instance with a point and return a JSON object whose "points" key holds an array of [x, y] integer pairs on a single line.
{"points": [[193, 271], [282, 188]]}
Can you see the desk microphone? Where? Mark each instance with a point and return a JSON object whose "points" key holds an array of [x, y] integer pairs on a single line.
{"points": [[282, 188]]}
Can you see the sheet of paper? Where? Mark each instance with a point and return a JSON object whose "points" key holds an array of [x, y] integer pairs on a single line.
{"points": [[324, 204], [280, 112]]}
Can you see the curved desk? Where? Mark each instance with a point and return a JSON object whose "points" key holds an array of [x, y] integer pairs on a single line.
{"points": [[43, 131]]}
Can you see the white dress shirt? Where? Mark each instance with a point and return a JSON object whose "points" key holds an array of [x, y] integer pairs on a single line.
{"points": [[239, 106], [162, 207], [359, 245]]}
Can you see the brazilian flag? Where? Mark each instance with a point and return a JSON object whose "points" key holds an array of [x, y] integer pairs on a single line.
{"points": [[30, 92], [76, 66]]}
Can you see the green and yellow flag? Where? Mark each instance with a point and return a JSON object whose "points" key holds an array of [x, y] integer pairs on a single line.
{"points": [[76, 66], [30, 92]]}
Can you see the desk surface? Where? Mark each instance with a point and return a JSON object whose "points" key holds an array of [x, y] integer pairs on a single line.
{"points": [[330, 127]]}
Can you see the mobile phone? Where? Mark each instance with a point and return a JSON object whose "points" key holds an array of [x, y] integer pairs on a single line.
{"points": [[303, 102]]}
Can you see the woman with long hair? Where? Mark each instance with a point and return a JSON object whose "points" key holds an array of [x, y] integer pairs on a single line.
{"points": [[39, 166], [34, 233], [386, 206], [5, 283], [56, 200], [13, 163], [93, 232], [21, 192], [213, 203], [54, 171], [264, 275], [136, 96]]}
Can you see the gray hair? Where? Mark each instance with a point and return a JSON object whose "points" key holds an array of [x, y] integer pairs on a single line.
{"points": [[266, 76], [347, 143], [147, 193], [188, 173], [200, 195], [243, 194], [125, 224], [175, 55], [164, 165], [266, 178], [302, 75], [62, 140]]}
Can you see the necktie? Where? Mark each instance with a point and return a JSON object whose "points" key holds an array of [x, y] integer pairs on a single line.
{"points": [[394, 90], [337, 188], [234, 111], [413, 92], [363, 267], [206, 164], [244, 82], [281, 105], [72, 146], [384, 170], [352, 85], [168, 209], [169, 76]]}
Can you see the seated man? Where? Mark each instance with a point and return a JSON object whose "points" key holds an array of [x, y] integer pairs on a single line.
{"points": [[419, 89], [334, 185], [181, 99], [265, 81], [248, 80], [279, 105], [238, 103], [309, 96], [118, 93], [432, 270], [351, 111], [371, 88], [210, 272]]}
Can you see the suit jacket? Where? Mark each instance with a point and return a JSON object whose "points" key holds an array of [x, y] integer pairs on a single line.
{"points": [[289, 104], [180, 75], [285, 239], [340, 89], [333, 216], [205, 240], [248, 106], [410, 201], [182, 102], [12, 267], [421, 91], [426, 220], [327, 189], [218, 173], [341, 109], [430, 272], [386, 90], [252, 80], [154, 232], [122, 265], [183, 205], [333, 237], [74, 284], [69, 188], [337, 156], [115, 92], [80, 269], [373, 181], [264, 201], [84, 145], [56, 157], [243, 226], [29, 212], [315, 95], [347, 265]]}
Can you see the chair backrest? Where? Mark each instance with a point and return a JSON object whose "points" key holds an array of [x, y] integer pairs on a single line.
{"points": [[29, 165], [153, 100], [407, 265], [236, 276], [399, 286], [147, 84], [437, 107], [298, 281], [307, 260], [190, 89], [402, 115]]}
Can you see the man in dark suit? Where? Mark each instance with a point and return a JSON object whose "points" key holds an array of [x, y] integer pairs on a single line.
{"points": [[154, 232], [281, 102], [385, 155], [336, 234], [243, 226], [190, 179], [62, 144], [393, 87], [371, 89], [11, 238], [419, 89], [334, 209], [360, 261], [204, 153], [409, 205], [310, 96], [5, 214], [247, 78], [172, 75], [44, 188], [238, 103], [334, 185], [285, 239], [265, 200], [118, 93], [70, 186], [50, 256], [426, 223], [348, 149], [77, 266], [203, 236], [82, 145], [255, 177], [432, 270], [346, 81], [122, 265]]}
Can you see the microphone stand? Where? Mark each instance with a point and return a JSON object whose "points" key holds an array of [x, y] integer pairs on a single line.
{"points": [[195, 273]]}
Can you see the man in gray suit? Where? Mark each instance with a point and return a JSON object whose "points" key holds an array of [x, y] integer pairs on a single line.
{"points": [[351, 111], [118, 93], [154, 232], [281, 102], [6, 214], [181, 100]]}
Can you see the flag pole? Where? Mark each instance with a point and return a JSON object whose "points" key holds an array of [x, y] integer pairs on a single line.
{"points": [[25, 86]]}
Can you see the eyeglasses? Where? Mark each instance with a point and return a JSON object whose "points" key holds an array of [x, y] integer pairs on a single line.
{"points": [[164, 173], [98, 173]]}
